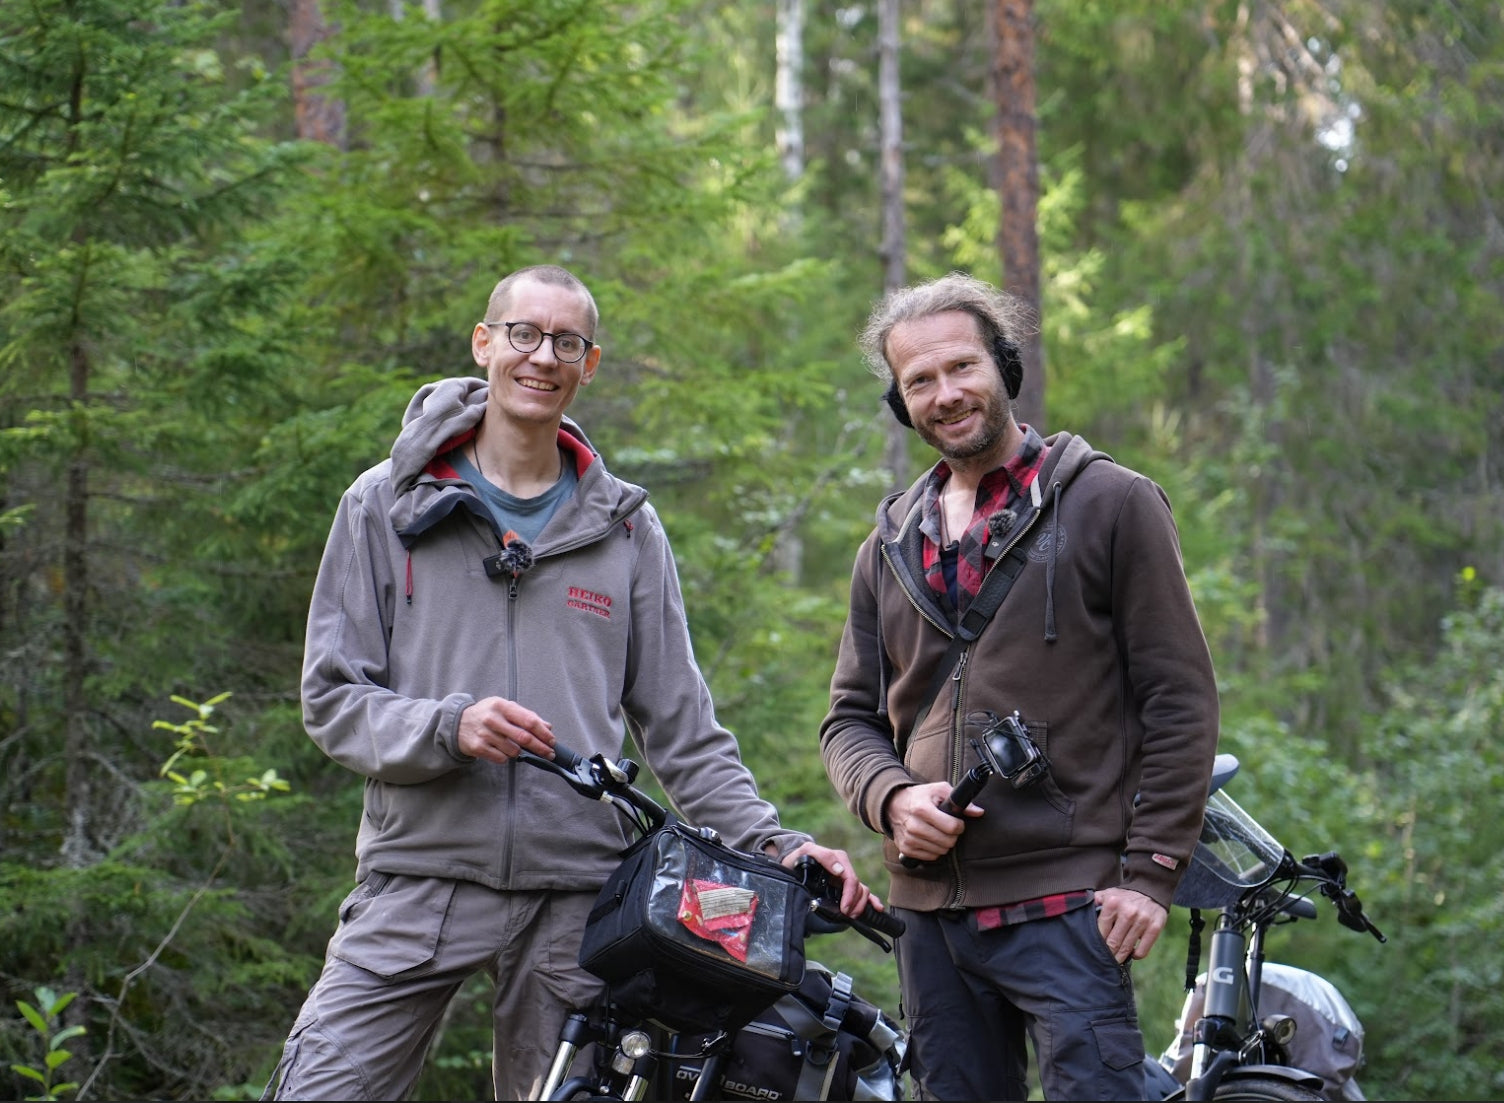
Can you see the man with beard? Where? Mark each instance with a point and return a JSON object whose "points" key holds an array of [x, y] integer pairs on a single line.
{"points": [[1090, 686]]}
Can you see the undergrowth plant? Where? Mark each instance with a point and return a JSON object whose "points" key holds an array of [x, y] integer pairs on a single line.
{"points": [[51, 1036]]}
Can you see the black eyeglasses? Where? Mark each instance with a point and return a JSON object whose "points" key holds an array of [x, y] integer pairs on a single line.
{"points": [[526, 337]]}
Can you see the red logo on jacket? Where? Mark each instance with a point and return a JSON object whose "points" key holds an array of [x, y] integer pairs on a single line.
{"points": [[589, 600]]}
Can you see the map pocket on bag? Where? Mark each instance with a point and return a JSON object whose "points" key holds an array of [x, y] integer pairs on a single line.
{"points": [[695, 935]]}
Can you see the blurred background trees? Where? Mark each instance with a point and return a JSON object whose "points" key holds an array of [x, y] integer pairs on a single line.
{"points": [[235, 239]]}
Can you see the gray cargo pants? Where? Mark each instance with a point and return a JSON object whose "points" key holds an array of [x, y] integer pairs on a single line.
{"points": [[403, 948]]}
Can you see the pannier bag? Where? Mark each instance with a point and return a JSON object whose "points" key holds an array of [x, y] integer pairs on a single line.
{"points": [[696, 936], [1328, 1035], [821, 1042]]}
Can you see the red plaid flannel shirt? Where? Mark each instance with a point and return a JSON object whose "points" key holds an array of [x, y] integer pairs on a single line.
{"points": [[999, 491]]}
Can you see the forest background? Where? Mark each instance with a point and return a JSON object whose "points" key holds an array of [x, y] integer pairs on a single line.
{"points": [[1270, 265]]}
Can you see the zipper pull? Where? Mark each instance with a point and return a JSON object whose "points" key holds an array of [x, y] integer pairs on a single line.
{"points": [[955, 679]]}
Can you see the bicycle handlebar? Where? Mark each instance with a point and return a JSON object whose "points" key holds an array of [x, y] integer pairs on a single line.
{"points": [[599, 779], [1330, 871], [826, 915], [612, 782]]}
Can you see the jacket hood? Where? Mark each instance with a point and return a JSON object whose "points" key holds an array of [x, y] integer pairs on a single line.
{"points": [[443, 415], [1068, 455], [441, 412]]}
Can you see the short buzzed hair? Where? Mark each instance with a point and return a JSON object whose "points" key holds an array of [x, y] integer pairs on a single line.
{"points": [[542, 273]]}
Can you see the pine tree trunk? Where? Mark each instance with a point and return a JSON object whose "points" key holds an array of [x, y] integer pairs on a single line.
{"points": [[318, 117], [1018, 184], [890, 119]]}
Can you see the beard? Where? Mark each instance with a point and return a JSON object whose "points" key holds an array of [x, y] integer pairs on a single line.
{"points": [[992, 430]]}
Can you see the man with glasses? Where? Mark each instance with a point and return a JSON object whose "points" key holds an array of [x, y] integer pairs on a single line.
{"points": [[487, 586]]}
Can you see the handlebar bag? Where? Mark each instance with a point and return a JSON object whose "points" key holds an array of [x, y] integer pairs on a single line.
{"points": [[694, 935]]}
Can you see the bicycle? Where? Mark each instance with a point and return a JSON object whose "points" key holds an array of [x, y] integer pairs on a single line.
{"points": [[1234, 1046], [642, 1050]]}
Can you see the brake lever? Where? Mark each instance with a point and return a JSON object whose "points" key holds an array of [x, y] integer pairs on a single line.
{"points": [[1349, 907], [825, 908], [1350, 911], [582, 774]]}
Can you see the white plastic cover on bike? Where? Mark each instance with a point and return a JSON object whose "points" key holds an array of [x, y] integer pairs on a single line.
{"points": [[1233, 855]]}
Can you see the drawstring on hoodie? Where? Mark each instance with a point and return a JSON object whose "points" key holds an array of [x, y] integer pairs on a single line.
{"points": [[1049, 573], [409, 577]]}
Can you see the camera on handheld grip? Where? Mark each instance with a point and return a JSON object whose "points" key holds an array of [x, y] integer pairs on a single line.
{"points": [[1007, 747]]}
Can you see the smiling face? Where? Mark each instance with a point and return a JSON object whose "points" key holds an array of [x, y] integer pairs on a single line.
{"points": [[953, 390], [535, 388]]}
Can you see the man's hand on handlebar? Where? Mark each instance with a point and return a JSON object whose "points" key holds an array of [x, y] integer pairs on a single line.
{"points": [[498, 730], [855, 896], [921, 827]]}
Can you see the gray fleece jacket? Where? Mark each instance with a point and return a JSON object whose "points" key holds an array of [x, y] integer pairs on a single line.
{"points": [[407, 628]]}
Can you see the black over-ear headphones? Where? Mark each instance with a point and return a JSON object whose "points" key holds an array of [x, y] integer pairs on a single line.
{"points": [[1005, 355]]}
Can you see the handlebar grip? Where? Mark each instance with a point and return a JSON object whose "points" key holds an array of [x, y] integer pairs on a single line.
{"points": [[564, 762], [872, 924], [881, 922]]}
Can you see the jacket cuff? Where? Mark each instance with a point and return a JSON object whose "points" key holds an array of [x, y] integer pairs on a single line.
{"points": [[878, 792], [786, 843], [449, 731], [1144, 873]]}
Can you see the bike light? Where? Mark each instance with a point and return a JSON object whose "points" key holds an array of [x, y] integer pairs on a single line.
{"points": [[1279, 1027], [633, 1047]]}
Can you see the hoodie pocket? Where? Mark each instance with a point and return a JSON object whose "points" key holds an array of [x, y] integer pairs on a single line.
{"points": [[1037, 817], [1039, 731]]}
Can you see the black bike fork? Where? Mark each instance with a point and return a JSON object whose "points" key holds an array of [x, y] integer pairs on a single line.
{"points": [[1225, 993]]}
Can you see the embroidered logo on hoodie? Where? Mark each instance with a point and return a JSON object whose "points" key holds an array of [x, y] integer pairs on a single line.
{"points": [[590, 601], [1041, 550]]}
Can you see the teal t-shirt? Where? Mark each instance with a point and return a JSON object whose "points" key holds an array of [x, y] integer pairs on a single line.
{"points": [[524, 516]]}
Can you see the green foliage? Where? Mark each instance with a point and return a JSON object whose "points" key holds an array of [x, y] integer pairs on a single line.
{"points": [[1336, 389], [1423, 853], [198, 785], [1271, 282], [133, 928], [53, 1037], [1436, 775], [140, 360]]}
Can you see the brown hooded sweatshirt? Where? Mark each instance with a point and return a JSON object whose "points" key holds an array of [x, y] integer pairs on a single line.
{"points": [[1097, 646]]}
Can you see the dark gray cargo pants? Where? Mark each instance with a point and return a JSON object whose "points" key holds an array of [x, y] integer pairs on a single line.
{"points": [[971, 995]]}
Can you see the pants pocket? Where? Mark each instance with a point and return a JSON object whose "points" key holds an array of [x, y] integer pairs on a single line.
{"points": [[393, 927], [1119, 1042]]}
